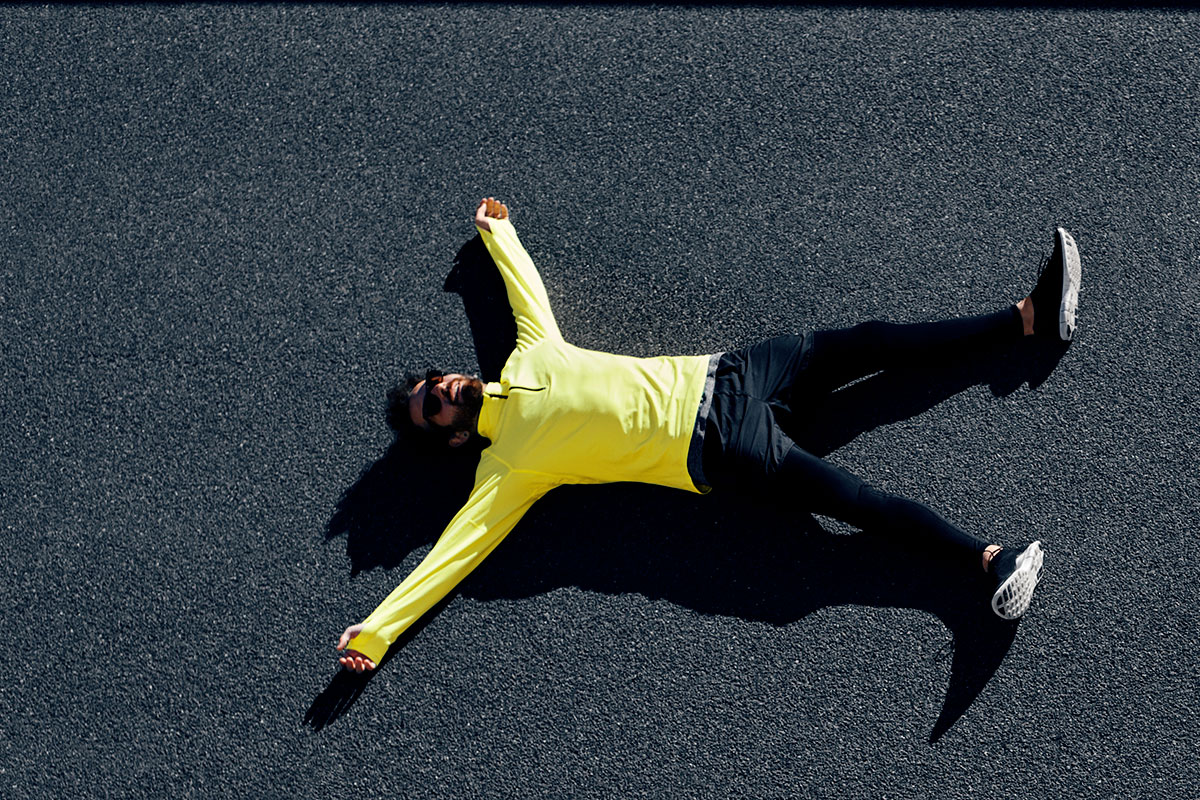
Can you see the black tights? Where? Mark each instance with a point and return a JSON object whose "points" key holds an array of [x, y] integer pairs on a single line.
{"points": [[833, 492], [841, 356], [746, 448]]}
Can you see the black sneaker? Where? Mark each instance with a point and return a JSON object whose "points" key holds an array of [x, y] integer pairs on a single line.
{"points": [[1017, 574], [1056, 296]]}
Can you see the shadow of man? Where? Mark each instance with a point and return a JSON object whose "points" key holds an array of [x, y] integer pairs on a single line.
{"points": [[701, 555]]}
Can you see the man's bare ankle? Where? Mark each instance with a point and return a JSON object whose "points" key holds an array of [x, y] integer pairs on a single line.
{"points": [[989, 553], [1025, 307]]}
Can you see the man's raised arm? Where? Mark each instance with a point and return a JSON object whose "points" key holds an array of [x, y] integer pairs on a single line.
{"points": [[500, 498], [526, 294]]}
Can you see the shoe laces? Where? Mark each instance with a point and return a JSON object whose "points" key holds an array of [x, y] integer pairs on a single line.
{"points": [[1039, 284], [1042, 266]]}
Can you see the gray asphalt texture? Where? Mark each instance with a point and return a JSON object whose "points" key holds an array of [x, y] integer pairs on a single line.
{"points": [[227, 231]]}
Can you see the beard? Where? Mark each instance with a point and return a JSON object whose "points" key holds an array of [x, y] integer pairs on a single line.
{"points": [[470, 401]]}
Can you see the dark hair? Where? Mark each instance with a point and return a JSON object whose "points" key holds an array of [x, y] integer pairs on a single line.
{"points": [[398, 418]]}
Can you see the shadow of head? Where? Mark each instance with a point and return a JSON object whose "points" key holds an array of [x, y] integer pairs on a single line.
{"points": [[406, 497]]}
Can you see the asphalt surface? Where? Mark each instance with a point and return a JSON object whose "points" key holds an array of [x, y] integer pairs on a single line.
{"points": [[226, 231]]}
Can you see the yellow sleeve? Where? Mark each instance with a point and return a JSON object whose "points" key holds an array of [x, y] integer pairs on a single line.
{"points": [[526, 294], [500, 498]]}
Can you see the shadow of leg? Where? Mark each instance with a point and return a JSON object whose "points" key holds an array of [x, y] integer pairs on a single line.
{"points": [[776, 566], [892, 576], [981, 642]]}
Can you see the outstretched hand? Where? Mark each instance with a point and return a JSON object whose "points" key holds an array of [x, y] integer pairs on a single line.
{"points": [[353, 659], [489, 208]]}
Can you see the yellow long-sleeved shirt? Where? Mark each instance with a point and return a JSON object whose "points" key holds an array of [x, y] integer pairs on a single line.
{"points": [[558, 415]]}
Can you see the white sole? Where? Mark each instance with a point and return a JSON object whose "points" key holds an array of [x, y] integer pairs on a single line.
{"points": [[1012, 598], [1070, 284]]}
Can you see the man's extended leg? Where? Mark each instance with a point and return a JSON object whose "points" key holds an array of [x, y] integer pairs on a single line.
{"points": [[745, 449], [841, 356], [822, 488]]}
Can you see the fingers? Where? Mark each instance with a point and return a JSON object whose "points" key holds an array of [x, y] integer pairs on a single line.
{"points": [[353, 659], [491, 207], [356, 661]]}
